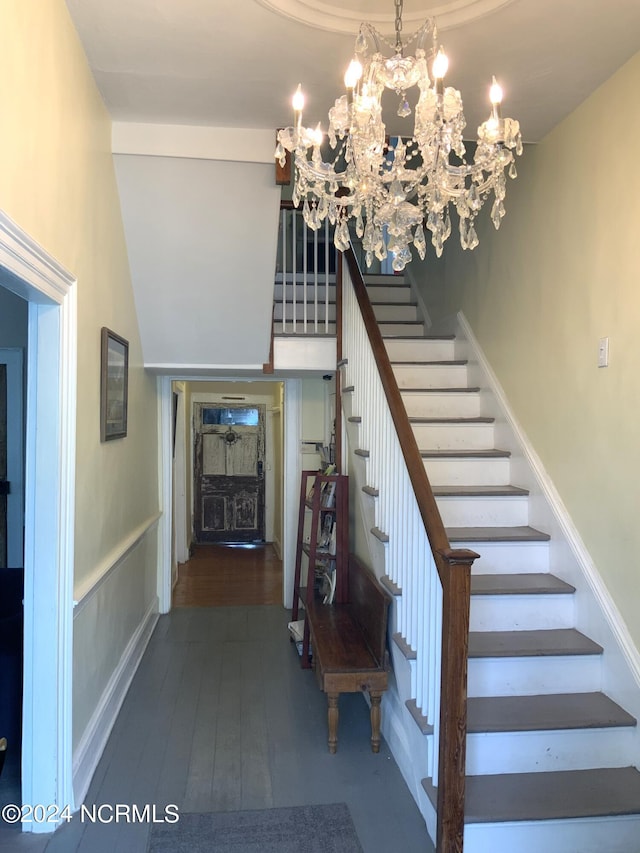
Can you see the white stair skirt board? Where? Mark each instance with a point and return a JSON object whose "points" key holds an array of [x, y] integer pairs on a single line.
{"points": [[550, 643]]}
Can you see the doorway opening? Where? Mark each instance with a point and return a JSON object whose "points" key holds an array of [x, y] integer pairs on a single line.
{"points": [[228, 480], [13, 349], [33, 275]]}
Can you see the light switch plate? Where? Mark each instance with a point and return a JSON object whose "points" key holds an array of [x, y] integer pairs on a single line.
{"points": [[603, 352]]}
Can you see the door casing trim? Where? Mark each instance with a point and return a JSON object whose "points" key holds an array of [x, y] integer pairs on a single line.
{"points": [[33, 274]]}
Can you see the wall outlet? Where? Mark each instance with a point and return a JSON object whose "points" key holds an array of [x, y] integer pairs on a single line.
{"points": [[603, 352]]}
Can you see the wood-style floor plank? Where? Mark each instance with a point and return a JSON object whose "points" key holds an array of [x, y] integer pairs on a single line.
{"points": [[223, 575], [220, 716]]}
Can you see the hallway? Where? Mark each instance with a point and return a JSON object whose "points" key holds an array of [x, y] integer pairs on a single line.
{"points": [[220, 717]]}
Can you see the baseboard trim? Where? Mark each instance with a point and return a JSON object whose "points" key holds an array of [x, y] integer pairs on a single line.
{"points": [[611, 613], [92, 744]]}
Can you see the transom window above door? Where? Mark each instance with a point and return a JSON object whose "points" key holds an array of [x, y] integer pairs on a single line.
{"points": [[224, 416]]}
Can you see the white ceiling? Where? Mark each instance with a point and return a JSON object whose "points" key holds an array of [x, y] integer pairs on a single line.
{"points": [[236, 63]]}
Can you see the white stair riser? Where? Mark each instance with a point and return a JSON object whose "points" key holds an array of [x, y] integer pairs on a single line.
{"points": [[441, 405], [454, 436], [395, 312], [520, 612], [567, 749], [424, 350], [383, 278], [392, 293], [589, 835], [473, 471], [312, 293], [400, 330], [509, 557], [526, 676], [484, 511], [319, 310], [430, 376]]}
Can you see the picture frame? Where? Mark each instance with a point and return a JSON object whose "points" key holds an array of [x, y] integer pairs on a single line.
{"points": [[114, 382]]}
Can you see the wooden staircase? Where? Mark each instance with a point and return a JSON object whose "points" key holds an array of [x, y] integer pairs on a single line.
{"points": [[549, 754]]}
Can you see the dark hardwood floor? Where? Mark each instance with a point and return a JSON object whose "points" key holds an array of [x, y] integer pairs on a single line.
{"points": [[220, 717], [222, 575]]}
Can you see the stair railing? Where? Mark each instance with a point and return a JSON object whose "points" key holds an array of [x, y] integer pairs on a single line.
{"points": [[305, 276], [435, 580]]}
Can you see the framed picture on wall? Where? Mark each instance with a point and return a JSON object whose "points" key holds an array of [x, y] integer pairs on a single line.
{"points": [[114, 379]]}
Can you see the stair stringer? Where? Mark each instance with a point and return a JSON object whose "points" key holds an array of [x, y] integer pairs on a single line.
{"points": [[596, 614], [409, 746]]}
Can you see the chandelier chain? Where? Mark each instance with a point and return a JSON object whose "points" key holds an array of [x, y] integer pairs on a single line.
{"points": [[398, 5]]}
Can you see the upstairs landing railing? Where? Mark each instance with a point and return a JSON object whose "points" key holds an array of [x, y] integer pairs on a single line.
{"points": [[304, 293], [433, 609]]}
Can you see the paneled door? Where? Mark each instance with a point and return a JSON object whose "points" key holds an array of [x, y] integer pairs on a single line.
{"points": [[229, 472]]}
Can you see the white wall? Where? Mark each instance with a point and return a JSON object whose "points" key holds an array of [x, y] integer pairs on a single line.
{"points": [[57, 182], [202, 239], [561, 273]]}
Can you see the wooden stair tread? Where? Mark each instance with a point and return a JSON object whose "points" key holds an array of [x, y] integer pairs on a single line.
{"points": [[400, 322], [380, 534], [496, 534], [544, 713], [418, 717], [387, 304], [523, 584], [465, 454], [442, 363], [552, 642], [424, 337], [388, 584], [478, 491], [558, 795], [421, 420], [371, 491], [458, 390], [405, 648]]}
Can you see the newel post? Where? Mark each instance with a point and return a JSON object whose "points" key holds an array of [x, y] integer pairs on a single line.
{"points": [[453, 698]]}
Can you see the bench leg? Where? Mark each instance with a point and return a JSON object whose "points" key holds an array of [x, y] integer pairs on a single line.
{"points": [[376, 697], [332, 716]]}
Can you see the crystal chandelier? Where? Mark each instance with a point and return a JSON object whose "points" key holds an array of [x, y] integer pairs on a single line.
{"points": [[393, 188]]}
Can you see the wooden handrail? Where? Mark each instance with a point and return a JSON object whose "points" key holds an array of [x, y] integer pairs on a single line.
{"points": [[454, 570]]}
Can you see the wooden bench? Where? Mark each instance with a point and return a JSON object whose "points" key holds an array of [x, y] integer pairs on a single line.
{"points": [[349, 646]]}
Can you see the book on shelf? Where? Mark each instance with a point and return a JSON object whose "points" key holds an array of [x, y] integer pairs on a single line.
{"points": [[329, 495], [332, 540], [325, 534], [328, 588]]}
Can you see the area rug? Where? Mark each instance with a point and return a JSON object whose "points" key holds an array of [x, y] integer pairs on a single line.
{"points": [[300, 829]]}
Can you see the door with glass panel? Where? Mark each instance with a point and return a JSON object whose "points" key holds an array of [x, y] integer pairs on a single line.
{"points": [[229, 472]]}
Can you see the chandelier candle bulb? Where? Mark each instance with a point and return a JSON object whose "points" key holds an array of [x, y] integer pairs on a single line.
{"points": [[391, 191], [353, 74], [495, 96]]}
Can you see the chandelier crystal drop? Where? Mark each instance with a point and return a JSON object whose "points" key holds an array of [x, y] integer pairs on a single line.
{"points": [[394, 189]]}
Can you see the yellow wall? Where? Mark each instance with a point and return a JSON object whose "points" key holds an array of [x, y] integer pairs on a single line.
{"points": [[562, 272], [57, 182]]}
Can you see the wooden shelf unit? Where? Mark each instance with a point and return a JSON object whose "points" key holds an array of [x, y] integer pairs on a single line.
{"points": [[311, 520]]}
